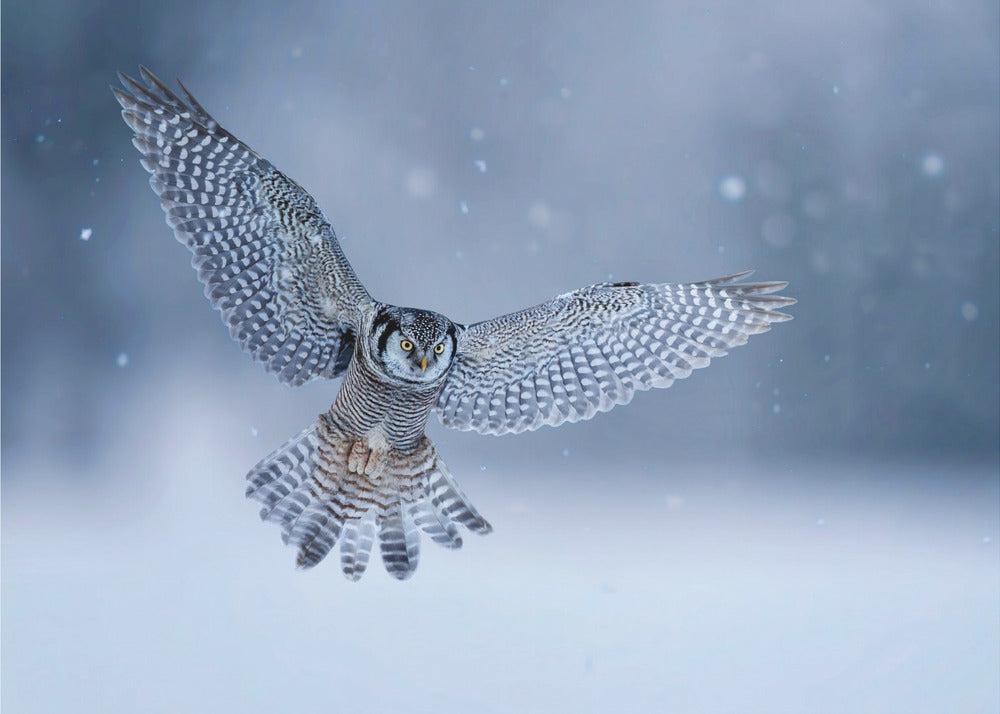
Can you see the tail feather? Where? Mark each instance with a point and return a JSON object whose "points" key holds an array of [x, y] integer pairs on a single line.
{"points": [[315, 531], [280, 473], [323, 488], [315, 539], [438, 528], [400, 542], [453, 505], [356, 547], [277, 480]]}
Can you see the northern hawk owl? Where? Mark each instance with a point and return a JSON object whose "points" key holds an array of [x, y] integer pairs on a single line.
{"points": [[365, 471]]}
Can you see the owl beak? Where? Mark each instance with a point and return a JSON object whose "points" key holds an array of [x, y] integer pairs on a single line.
{"points": [[423, 364]]}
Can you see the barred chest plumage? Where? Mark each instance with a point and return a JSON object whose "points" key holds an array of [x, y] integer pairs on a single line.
{"points": [[372, 406]]}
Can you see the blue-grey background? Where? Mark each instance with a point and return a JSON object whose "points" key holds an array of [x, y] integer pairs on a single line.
{"points": [[811, 524]]}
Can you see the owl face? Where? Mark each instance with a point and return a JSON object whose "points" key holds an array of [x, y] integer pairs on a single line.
{"points": [[413, 345]]}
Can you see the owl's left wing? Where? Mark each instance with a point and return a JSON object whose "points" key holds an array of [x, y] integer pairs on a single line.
{"points": [[588, 350], [269, 259]]}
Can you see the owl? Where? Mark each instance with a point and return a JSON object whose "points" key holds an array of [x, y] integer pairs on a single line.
{"points": [[365, 471]]}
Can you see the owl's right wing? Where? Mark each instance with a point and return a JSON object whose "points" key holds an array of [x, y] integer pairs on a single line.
{"points": [[268, 258], [588, 350]]}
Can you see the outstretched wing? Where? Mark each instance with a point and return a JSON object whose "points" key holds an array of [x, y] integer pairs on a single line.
{"points": [[588, 350], [269, 260]]}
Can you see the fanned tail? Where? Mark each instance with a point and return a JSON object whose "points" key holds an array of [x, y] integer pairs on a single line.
{"points": [[322, 487]]}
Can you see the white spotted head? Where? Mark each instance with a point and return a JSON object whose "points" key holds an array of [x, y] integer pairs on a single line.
{"points": [[412, 345]]}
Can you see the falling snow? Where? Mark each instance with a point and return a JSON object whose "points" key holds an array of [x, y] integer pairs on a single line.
{"points": [[932, 165], [732, 188]]}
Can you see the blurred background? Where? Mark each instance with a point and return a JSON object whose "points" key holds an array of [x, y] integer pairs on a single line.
{"points": [[809, 524]]}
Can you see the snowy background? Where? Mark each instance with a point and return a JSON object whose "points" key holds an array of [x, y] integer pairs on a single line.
{"points": [[811, 524]]}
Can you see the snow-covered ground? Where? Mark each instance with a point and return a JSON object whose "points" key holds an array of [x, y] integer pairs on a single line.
{"points": [[712, 587]]}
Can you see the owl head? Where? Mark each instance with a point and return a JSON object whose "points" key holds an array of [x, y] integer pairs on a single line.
{"points": [[412, 345]]}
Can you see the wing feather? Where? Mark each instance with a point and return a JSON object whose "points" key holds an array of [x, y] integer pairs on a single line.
{"points": [[268, 258], [586, 351]]}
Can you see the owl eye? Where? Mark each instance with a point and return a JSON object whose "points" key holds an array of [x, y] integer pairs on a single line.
{"points": [[406, 345], [439, 348]]}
